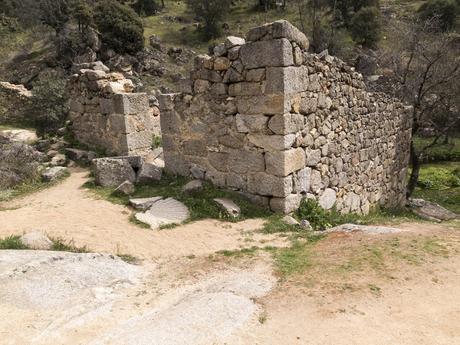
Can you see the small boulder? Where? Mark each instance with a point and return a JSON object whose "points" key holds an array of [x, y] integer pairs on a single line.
{"points": [[126, 188], [305, 224], [58, 160], [290, 220], [227, 205], [54, 173], [80, 155], [327, 199], [23, 136], [193, 186], [144, 203], [111, 172], [431, 211], [37, 240], [149, 173], [233, 41]]}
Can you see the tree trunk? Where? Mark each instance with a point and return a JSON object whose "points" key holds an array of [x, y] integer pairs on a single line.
{"points": [[413, 179]]}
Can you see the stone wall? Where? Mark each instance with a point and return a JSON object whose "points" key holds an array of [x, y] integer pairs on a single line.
{"points": [[106, 114], [12, 101], [267, 118]]}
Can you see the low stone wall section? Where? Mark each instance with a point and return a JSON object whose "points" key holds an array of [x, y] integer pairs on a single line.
{"points": [[106, 114]]}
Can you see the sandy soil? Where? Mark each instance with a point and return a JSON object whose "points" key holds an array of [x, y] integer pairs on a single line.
{"points": [[73, 213], [360, 289]]}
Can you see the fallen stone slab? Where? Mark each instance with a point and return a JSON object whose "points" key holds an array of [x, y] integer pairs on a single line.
{"points": [[149, 173], [36, 240], [290, 220], [230, 208], [126, 188], [111, 172], [80, 155], [144, 204], [136, 162], [431, 211], [164, 212], [369, 229], [193, 186], [54, 173]]}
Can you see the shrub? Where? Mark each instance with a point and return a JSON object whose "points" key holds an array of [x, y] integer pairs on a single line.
{"points": [[443, 11], [18, 164], [365, 26], [121, 28], [47, 109], [310, 210], [211, 12], [146, 7]]}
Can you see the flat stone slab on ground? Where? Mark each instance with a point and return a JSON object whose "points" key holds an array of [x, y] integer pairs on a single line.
{"points": [[164, 212], [144, 204], [369, 229]]}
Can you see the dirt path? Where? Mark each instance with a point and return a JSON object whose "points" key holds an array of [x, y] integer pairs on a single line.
{"points": [[358, 289], [70, 212]]}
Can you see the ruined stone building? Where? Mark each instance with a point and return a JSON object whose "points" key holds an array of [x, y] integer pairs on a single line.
{"points": [[265, 117], [106, 114], [261, 116]]}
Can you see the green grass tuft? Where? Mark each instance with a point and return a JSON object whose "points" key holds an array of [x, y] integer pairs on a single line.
{"points": [[12, 242]]}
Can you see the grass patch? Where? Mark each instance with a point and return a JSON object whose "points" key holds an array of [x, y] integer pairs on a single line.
{"points": [[439, 152], [440, 183], [12, 242], [237, 253], [61, 245], [130, 259], [137, 222], [200, 203]]}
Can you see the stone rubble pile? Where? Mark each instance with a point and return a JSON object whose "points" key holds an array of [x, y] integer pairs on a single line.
{"points": [[265, 117], [107, 114]]}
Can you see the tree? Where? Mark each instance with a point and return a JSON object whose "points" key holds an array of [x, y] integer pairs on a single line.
{"points": [[47, 108], [445, 11], [55, 13], [146, 7], [365, 26], [211, 12], [83, 13], [120, 26], [426, 69]]}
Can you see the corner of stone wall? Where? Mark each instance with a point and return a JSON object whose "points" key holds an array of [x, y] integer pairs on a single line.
{"points": [[265, 117]]}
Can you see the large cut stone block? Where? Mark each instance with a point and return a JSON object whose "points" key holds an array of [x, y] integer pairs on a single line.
{"points": [[242, 162], [267, 54], [130, 103], [286, 205], [272, 142], [270, 185], [268, 104], [279, 29], [287, 79], [283, 163]]}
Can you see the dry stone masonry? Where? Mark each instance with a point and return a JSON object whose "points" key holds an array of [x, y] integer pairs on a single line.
{"points": [[105, 113], [265, 117]]}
